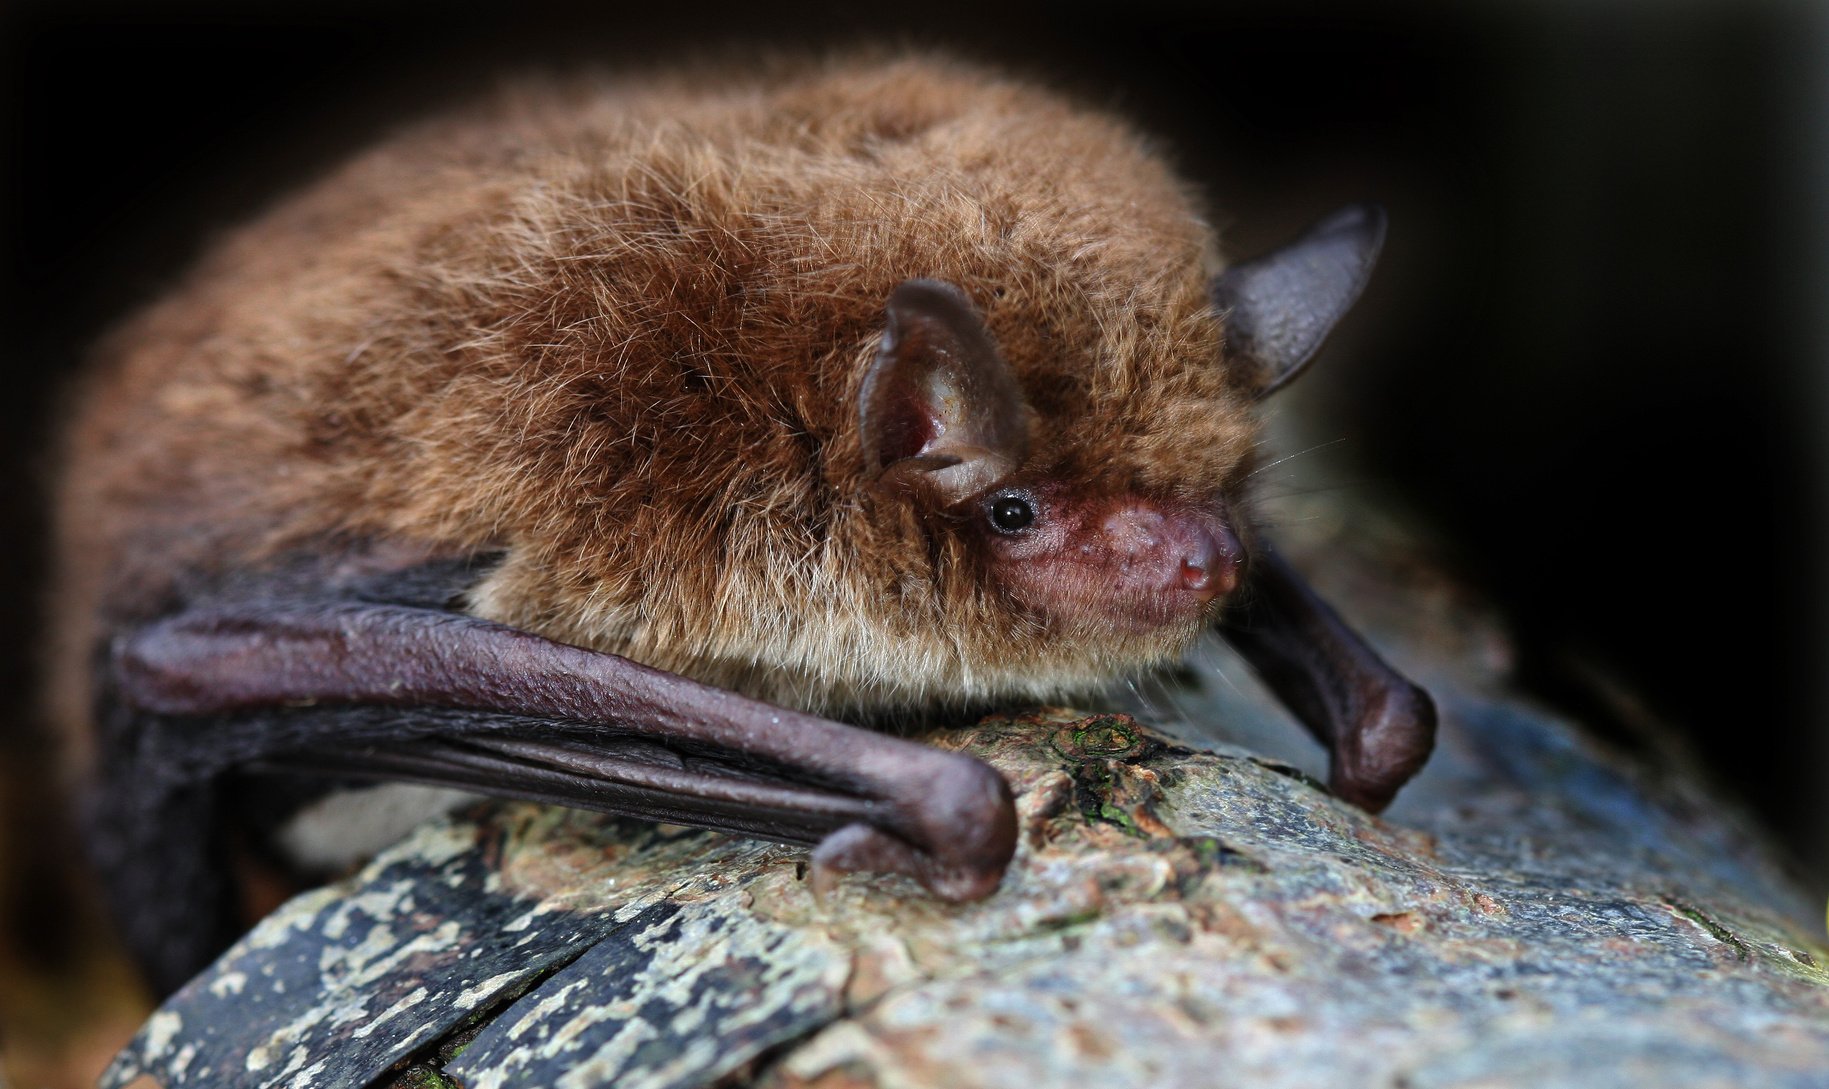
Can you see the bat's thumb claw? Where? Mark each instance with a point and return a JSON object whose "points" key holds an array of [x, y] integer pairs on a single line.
{"points": [[859, 848], [971, 829], [955, 832]]}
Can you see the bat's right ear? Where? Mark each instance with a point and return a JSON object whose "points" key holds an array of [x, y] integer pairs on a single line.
{"points": [[940, 411], [1278, 308]]}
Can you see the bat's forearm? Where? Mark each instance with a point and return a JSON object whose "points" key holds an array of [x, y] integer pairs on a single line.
{"points": [[725, 761]]}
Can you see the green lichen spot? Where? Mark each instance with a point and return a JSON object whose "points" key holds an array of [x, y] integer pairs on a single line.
{"points": [[1111, 814], [424, 1077], [1067, 921], [1213, 854], [1715, 930], [1098, 737]]}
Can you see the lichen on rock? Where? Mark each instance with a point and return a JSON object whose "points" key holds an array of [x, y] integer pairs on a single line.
{"points": [[1188, 907]]}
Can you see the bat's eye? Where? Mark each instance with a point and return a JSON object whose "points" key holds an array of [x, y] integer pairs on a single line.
{"points": [[1011, 514]]}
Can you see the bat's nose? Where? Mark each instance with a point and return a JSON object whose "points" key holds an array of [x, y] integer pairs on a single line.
{"points": [[1187, 551], [1210, 562]]}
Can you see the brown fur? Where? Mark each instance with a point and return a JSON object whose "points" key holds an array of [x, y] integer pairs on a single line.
{"points": [[618, 332]]}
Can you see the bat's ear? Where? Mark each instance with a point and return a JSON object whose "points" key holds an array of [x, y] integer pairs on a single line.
{"points": [[1281, 306], [940, 409]]}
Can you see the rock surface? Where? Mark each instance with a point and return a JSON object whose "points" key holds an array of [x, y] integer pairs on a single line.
{"points": [[1188, 908]]}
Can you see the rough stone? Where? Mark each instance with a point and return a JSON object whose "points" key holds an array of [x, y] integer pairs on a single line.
{"points": [[1187, 908]]}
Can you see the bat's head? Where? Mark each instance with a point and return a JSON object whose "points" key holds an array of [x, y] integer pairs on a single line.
{"points": [[1069, 542], [1087, 516]]}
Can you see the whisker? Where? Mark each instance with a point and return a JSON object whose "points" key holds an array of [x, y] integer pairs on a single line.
{"points": [[1299, 453], [1223, 674], [1190, 710], [1276, 525], [1267, 496], [1208, 658], [1143, 701]]}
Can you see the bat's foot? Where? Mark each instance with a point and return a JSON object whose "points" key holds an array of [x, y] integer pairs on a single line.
{"points": [[1391, 740]]}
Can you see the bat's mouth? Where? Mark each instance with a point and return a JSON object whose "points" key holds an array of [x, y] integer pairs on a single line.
{"points": [[1170, 611]]}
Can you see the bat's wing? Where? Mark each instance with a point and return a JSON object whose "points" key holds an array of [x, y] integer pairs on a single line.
{"points": [[1379, 727], [369, 689]]}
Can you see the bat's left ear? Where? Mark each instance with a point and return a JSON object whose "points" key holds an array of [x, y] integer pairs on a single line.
{"points": [[940, 411], [1280, 307]]}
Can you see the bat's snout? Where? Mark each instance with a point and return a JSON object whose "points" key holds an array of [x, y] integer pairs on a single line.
{"points": [[1175, 552]]}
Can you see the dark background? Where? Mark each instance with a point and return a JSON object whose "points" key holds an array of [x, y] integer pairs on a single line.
{"points": [[1596, 358]]}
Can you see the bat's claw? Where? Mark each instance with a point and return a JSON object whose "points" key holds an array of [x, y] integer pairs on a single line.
{"points": [[859, 848], [971, 821]]}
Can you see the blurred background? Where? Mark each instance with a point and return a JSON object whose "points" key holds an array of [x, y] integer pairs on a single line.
{"points": [[1595, 360]]}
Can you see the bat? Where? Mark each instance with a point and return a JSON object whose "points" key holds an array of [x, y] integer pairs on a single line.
{"points": [[635, 445]]}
